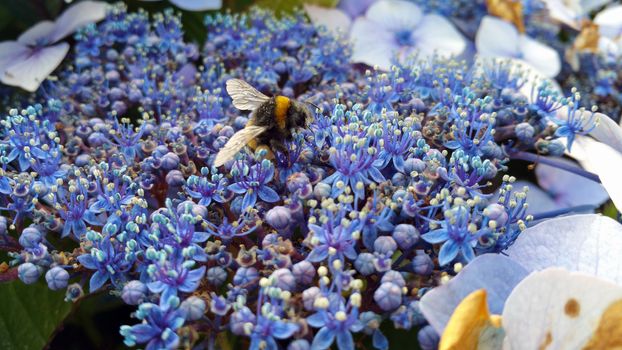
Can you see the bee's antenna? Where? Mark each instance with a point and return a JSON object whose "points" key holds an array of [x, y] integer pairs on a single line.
{"points": [[313, 104]]}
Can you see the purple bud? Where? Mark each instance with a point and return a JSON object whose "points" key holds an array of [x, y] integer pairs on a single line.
{"points": [[414, 164], [399, 179], [193, 308], [299, 183], [74, 292], [524, 131], [388, 296], [134, 292], [498, 213], [299, 344], [304, 272], [30, 237], [216, 275], [226, 131], [28, 272], [428, 338], [239, 319], [364, 264], [240, 122], [83, 160], [321, 190], [175, 178], [406, 236], [57, 278], [422, 264], [385, 245], [393, 277], [284, 279], [3, 226], [556, 148], [219, 305], [308, 297], [279, 217], [170, 161], [244, 275], [96, 139]]}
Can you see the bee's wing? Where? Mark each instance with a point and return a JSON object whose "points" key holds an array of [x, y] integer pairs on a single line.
{"points": [[236, 142], [245, 97]]}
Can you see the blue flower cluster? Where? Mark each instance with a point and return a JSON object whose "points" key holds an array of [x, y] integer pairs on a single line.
{"points": [[401, 179]]}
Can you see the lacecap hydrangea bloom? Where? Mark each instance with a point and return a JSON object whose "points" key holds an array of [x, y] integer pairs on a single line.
{"points": [[402, 178]]}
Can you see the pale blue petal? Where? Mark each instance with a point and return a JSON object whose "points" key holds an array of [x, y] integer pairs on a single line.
{"points": [[495, 273]]}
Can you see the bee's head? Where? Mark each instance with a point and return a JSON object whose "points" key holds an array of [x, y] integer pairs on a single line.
{"points": [[300, 115]]}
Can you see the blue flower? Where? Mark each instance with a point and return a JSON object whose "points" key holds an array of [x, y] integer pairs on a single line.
{"points": [[254, 182], [160, 323], [457, 233], [334, 239], [108, 259], [337, 321], [174, 275], [206, 190]]}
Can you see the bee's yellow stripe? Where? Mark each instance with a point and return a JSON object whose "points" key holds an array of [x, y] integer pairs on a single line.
{"points": [[280, 111]]}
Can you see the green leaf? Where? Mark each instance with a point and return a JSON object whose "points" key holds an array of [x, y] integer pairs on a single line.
{"points": [[323, 3], [29, 314], [280, 6]]}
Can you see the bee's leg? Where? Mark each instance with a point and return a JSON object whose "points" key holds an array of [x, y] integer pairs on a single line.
{"points": [[278, 145]]}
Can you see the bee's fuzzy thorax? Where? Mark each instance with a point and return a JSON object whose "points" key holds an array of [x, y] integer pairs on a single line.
{"points": [[280, 111]]}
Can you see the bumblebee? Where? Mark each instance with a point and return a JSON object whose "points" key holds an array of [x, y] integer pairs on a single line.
{"points": [[273, 121]]}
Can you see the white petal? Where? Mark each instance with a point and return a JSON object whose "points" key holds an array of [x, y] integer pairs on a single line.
{"points": [[568, 189], [497, 38], [33, 67], [354, 8], [436, 34], [608, 20], [493, 272], [11, 52], [604, 161], [591, 5], [39, 34], [77, 16], [567, 12], [609, 132], [588, 243], [395, 15], [558, 309], [334, 20], [198, 5], [543, 58], [372, 44]]}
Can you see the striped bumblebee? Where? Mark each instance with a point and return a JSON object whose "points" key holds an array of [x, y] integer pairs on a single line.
{"points": [[272, 122]]}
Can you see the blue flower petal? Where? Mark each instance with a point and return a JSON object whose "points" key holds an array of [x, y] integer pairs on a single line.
{"points": [[323, 339]]}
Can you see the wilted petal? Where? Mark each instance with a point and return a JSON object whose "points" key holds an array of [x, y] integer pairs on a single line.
{"points": [[495, 273], [568, 310], [588, 243]]}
